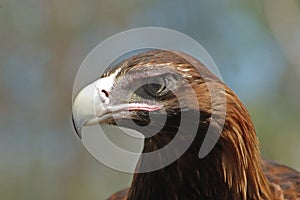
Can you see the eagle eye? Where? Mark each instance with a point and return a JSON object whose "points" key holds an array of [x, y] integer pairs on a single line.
{"points": [[155, 87]]}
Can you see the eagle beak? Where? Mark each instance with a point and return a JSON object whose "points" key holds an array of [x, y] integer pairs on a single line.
{"points": [[93, 106], [84, 108]]}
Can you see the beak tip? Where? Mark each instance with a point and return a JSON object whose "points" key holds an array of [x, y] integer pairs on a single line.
{"points": [[77, 130]]}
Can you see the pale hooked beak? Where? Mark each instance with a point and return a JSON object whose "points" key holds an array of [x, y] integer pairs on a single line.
{"points": [[83, 108], [93, 106]]}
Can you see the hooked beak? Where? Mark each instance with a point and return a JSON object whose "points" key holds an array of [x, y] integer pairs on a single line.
{"points": [[83, 108], [93, 105]]}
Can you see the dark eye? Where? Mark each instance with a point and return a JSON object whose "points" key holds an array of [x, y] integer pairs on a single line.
{"points": [[154, 87]]}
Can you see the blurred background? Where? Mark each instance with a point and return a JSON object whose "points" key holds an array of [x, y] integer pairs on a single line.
{"points": [[255, 44]]}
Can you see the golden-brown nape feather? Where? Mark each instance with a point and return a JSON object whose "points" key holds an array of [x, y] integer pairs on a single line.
{"points": [[233, 170]]}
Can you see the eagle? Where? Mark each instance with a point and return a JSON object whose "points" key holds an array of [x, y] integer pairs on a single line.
{"points": [[137, 92]]}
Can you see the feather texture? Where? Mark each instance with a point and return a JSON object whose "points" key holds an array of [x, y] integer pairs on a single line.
{"points": [[233, 170]]}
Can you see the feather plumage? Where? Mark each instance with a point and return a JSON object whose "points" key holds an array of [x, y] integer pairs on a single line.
{"points": [[233, 170]]}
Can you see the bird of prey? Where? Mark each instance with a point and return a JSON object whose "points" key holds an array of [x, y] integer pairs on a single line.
{"points": [[133, 93]]}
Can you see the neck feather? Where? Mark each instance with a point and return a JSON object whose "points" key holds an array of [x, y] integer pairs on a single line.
{"points": [[232, 170]]}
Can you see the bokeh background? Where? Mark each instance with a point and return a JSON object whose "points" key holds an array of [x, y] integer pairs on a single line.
{"points": [[255, 44]]}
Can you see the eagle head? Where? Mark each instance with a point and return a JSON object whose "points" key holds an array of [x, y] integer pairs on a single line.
{"points": [[160, 93], [148, 92]]}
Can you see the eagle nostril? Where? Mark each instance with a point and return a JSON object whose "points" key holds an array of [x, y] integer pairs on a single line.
{"points": [[105, 93]]}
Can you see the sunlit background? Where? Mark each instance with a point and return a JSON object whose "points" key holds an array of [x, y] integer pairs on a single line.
{"points": [[255, 44]]}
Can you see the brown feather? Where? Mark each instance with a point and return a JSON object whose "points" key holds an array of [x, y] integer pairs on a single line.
{"points": [[233, 170]]}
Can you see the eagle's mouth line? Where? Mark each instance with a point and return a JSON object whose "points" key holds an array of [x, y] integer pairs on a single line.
{"points": [[120, 111]]}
